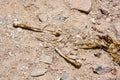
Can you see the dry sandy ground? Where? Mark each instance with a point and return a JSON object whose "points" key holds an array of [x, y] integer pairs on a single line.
{"points": [[21, 50]]}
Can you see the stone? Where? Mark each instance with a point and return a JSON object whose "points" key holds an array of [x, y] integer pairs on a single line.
{"points": [[104, 10], [64, 76], [114, 71], [46, 59], [82, 5], [38, 72], [72, 56], [102, 70], [117, 27], [43, 17], [93, 20], [10, 54], [101, 27], [59, 17]]}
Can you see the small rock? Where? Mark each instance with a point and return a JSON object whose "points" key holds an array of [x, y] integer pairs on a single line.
{"points": [[43, 17], [101, 28], [46, 59], [72, 56], [98, 70], [108, 20], [104, 10], [10, 54], [38, 72], [71, 78], [93, 20], [101, 70], [114, 71], [64, 76], [59, 17], [83, 5], [97, 55], [19, 29]]}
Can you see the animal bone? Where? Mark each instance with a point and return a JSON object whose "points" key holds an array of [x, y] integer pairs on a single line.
{"points": [[106, 43], [72, 61]]}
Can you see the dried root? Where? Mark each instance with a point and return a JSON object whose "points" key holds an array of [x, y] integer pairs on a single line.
{"points": [[72, 61]]}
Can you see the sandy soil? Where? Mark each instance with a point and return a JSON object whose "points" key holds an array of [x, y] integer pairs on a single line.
{"points": [[21, 50]]}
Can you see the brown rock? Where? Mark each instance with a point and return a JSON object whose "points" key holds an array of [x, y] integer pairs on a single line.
{"points": [[83, 5]]}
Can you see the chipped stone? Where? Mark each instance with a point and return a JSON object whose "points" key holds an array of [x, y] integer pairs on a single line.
{"points": [[83, 5], [46, 59], [38, 72]]}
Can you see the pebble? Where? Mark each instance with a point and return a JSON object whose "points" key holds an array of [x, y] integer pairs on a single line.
{"points": [[72, 78], [10, 54], [97, 55], [102, 70], [19, 29], [114, 71], [59, 17], [101, 27], [82, 5], [72, 56], [93, 20], [38, 72], [43, 17], [108, 20], [104, 10], [64, 76], [46, 59]]}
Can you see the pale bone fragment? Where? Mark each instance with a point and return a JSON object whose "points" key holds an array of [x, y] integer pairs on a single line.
{"points": [[20, 24], [70, 60], [24, 26]]}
